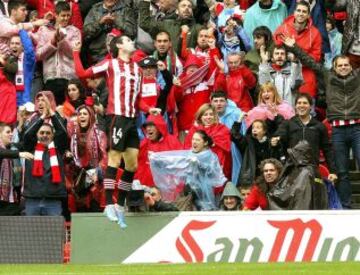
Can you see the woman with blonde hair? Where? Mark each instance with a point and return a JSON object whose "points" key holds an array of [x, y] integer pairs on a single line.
{"points": [[270, 107], [206, 119]]}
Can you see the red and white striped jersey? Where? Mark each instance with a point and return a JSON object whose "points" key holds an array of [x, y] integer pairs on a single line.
{"points": [[124, 84]]}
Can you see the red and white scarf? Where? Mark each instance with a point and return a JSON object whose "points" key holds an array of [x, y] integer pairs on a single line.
{"points": [[92, 147], [191, 80], [19, 78], [6, 179], [38, 167]]}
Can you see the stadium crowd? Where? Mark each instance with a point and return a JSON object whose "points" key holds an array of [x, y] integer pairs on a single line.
{"points": [[167, 105]]}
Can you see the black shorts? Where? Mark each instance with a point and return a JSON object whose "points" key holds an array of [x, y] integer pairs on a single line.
{"points": [[123, 133]]}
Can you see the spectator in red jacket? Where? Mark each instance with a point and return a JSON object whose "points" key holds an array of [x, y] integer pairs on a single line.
{"points": [[46, 9], [206, 119], [8, 97], [191, 90], [157, 140], [300, 26], [237, 82], [270, 171], [202, 46]]}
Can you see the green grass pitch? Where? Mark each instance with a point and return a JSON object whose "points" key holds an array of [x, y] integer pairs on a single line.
{"points": [[348, 268]]}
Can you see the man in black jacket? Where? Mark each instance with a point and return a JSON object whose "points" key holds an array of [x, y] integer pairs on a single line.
{"points": [[304, 127], [44, 176], [10, 185], [183, 16], [155, 202], [342, 86], [343, 112], [101, 19]]}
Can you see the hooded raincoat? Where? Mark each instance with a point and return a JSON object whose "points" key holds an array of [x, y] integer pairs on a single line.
{"points": [[299, 187], [220, 135], [255, 16], [230, 191], [166, 142]]}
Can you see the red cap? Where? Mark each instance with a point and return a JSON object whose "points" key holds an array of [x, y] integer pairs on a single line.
{"points": [[138, 55], [193, 60], [115, 32], [237, 16]]}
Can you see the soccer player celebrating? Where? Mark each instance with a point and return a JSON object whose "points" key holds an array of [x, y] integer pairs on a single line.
{"points": [[124, 83]]}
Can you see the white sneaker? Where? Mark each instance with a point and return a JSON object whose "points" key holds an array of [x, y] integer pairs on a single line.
{"points": [[120, 216], [111, 213]]}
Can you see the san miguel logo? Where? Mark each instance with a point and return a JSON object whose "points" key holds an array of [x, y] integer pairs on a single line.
{"points": [[309, 233], [194, 253]]}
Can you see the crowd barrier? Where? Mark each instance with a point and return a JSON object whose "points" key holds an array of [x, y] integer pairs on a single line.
{"points": [[189, 237], [31, 239]]}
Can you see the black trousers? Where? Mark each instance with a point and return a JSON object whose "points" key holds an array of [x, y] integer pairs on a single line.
{"points": [[10, 209]]}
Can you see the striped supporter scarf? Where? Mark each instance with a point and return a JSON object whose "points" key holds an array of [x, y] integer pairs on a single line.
{"points": [[172, 62], [191, 80], [38, 167]]}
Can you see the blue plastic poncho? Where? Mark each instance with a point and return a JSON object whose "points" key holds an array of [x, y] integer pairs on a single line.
{"points": [[201, 171]]}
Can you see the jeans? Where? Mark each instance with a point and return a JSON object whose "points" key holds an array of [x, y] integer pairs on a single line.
{"points": [[43, 207], [344, 138]]}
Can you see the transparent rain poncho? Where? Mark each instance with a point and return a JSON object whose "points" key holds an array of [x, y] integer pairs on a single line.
{"points": [[171, 170]]}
